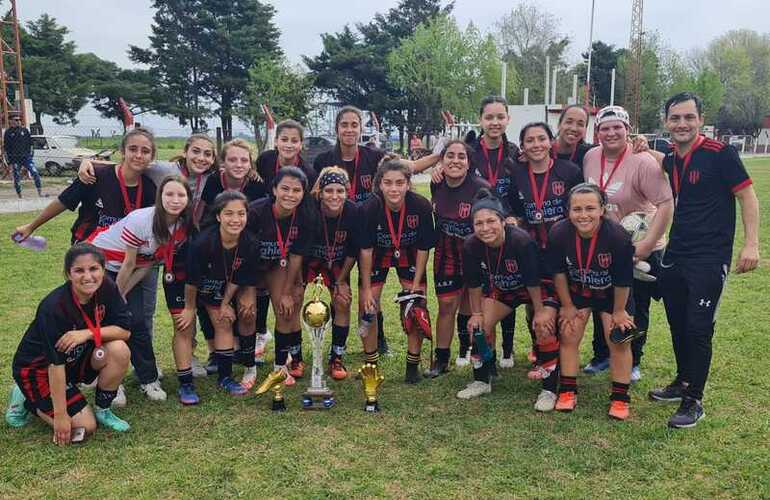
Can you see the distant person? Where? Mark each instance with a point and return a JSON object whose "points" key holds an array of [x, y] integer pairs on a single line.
{"points": [[17, 145], [415, 144]]}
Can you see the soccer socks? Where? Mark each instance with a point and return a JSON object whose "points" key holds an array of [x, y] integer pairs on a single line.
{"points": [[104, 397], [282, 343], [185, 376], [339, 339], [412, 368], [224, 359], [295, 346], [568, 384], [442, 355], [548, 355], [462, 333], [508, 325], [263, 304], [620, 392], [248, 344], [372, 357]]}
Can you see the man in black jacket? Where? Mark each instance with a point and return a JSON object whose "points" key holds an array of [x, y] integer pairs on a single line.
{"points": [[17, 144]]}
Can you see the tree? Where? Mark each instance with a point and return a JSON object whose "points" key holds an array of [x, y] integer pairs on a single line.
{"points": [[689, 76], [604, 58], [110, 83], [526, 35]]}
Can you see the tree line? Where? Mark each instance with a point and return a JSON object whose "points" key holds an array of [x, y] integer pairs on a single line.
{"points": [[208, 61]]}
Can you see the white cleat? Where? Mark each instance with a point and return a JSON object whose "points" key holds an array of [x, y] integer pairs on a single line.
{"points": [[153, 391], [546, 401], [120, 399], [474, 390]]}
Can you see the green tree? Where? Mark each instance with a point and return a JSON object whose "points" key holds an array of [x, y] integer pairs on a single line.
{"points": [[604, 57], [686, 76], [110, 83]]}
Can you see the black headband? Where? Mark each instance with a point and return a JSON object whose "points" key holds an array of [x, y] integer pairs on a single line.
{"points": [[332, 178], [492, 204]]}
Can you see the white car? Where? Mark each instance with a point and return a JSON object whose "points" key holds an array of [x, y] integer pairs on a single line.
{"points": [[58, 152]]}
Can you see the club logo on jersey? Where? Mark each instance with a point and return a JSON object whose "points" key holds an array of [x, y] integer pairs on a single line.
{"points": [[340, 236], [237, 263], [101, 311], [511, 266], [464, 210], [293, 232], [694, 176], [99, 203], [366, 181], [604, 259], [412, 221], [557, 187]]}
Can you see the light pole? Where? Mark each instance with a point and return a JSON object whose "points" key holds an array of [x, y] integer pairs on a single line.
{"points": [[590, 50]]}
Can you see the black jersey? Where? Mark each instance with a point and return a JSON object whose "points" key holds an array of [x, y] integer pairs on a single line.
{"points": [[576, 156], [56, 315], [610, 264], [103, 203], [268, 166], [703, 229], [339, 237], [452, 213], [252, 189], [494, 165], [295, 232], [562, 177], [417, 230], [209, 266], [510, 268], [360, 170]]}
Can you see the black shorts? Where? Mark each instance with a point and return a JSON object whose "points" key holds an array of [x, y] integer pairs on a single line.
{"points": [[447, 275], [174, 293], [405, 276], [604, 304]]}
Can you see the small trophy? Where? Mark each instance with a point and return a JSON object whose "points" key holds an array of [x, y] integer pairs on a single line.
{"points": [[275, 382], [371, 380], [316, 316]]}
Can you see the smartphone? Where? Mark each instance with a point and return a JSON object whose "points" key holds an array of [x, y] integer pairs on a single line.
{"points": [[78, 434]]}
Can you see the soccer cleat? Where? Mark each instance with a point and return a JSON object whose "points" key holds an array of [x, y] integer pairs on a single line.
{"points": [[17, 415], [672, 393], [187, 395], [297, 369], [438, 369], [290, 381], [636, 373], [596, 366], [232, 387], [337, 370], [211, 365], [249, 377], [506, 362], [153, 391], [618, 410], [120, 399], [689, 413], [198, 370], [567, 401], [259, 347], [107, 419], [475, 389], [461, 361], [412, 375], [546, 401]]}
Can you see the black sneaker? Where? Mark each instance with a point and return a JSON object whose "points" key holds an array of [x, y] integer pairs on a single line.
{"points": [[412, 373], [438, 368], [672, 393], [620, 336], [688, 414]]}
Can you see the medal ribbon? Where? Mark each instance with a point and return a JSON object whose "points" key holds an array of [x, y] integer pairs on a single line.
{"points": [[283, 246], [96, 329], [538, 196], [492, 175], [168, 254], [602, 183], [677, 178], [127, 206], [354, 178], [395, 239], [294, 163], [583, 268], [331, 250], [229, 274]]}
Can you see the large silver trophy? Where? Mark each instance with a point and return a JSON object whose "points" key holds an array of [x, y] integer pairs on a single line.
{"points": [[316, 316]]}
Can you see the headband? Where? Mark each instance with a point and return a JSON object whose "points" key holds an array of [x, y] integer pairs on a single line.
{"points": [[490, 203], [332, 178]]}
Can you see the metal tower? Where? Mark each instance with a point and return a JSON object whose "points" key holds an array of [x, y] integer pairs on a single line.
{"points": [[634, 69], [11, 74]]}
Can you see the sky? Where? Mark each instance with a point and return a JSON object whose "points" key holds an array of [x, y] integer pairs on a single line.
{"points": [[108, 27]]}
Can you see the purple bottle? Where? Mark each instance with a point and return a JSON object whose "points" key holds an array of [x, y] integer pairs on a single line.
{"points": [[36, 243]]}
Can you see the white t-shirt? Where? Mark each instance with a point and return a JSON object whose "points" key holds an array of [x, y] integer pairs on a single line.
{"points": [[134, 231]]}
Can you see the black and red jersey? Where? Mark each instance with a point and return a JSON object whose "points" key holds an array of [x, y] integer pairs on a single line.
{"points": [[540, 214], [252, 189], [56, 315], [103, 203], [339, 237], [293, 233], [268, 166], [409, 230], [704, 187], [594, 266], [575, 156], [452, 214], [494, 165], [360, 169], [510, 268], [210, 266]]}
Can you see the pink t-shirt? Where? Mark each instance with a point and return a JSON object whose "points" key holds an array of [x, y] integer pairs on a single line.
{"points": [[638, 185]]}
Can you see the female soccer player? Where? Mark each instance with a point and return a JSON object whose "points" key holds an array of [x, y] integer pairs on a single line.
{"points": [[451, 200], [220, 264], [592, 261], [283, 224], [289, 135], [570, 142], [237, 174], [79, 333], [399, 233], [333, 255], [508, 258]]}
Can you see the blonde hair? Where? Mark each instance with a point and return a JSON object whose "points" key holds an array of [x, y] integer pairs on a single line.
{"points": [[315, 191], [240, 143]]}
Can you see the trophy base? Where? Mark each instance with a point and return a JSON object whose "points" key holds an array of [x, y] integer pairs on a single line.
{"points": [[371, 407], [279, 405], [318, 399]]}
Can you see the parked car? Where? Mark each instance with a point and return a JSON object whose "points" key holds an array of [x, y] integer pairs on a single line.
{"points": [[314, 146], [56, 153], [660, 144]]}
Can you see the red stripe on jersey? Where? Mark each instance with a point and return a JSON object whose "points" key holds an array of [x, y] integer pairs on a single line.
{"points": [[713, 145], [131, 238], [742, 185]]}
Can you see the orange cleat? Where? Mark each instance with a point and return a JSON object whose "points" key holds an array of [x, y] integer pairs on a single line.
{"points": [[618, 410], [567, 401], [297, 369], [337, 370]]}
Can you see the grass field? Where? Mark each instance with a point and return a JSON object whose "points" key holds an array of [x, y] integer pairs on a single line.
{"points": [[425, 443]]}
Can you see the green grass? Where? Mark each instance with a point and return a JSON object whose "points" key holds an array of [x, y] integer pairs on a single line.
{"points": [[425, 443]]}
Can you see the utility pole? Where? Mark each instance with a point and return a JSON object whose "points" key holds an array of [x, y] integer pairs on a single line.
{"points": [[634, 70], [11, 75]]}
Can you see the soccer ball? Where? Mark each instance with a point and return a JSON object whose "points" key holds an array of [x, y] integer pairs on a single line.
{"points": [[637, 224]]}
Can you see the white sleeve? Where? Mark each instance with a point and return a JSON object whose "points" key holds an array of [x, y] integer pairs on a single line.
{"points": [[137, 230], [159, 170]]}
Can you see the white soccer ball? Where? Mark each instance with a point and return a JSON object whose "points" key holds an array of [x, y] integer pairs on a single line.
{"points": [[637, 224]]}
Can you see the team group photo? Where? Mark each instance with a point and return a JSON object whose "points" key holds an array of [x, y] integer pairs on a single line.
{"points": [[459, 253]]}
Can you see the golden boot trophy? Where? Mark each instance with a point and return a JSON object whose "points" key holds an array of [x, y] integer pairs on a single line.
{"points": [[316, 316], [371, 380], [274, 382]]}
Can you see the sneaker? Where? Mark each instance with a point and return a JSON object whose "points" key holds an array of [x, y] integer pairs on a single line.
{"points": [[461, 361], [198, 370], [689, 413], [297, 369], [506, 362], [337, 370], [618, 410], [153, 391], [290, 381], [120, 399], [211, 365], [259, 347], [567, 401], [187, 395], [232, 387], [107, 419], [475, 389], [546, 401], [636, 374], [17, 414], [672, 393], [249, 377], [596, 366], [412, 375], [438, 369]]}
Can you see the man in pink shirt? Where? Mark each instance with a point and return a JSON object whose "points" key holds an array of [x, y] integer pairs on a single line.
{"points": [[632, 182]]}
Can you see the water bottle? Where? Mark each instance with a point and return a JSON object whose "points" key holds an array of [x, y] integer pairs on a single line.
{"points": [[485, 353], [364, 323], [36, 243]]}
